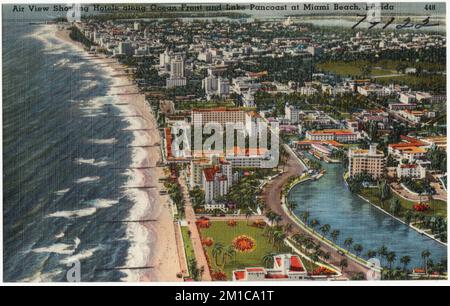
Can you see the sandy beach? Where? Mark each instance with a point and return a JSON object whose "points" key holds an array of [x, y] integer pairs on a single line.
{"points": [[152, 243]]}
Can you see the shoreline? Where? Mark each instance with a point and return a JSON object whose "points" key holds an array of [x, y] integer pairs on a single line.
{"points": [[151, 243]]}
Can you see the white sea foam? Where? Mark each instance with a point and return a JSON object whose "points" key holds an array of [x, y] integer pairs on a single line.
{"points": [[87, 179], [92, 162], [62, 191], [103, 203], [94, 115], [102, 141], [69, 214], [62, 62], [58, 248], [79, 256], [40, 277], [60, 235], [88, 84], [138, 251]]}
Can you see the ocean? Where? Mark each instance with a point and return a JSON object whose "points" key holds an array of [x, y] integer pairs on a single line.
{"points": [[61, 143]]}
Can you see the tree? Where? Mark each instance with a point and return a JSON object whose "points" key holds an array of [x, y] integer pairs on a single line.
{"points": [[288, 228], [382, 252], [314, 223], [348, 243], [405, 260], [371, 254], [385, 191], [325, 229], [248, 213], [194, 270], [228, 252], [268, 260], [216, 251], [335, 235], [425, 256], [395, 206], [390, 258], [292, 205], [358, 249], [343, 264], [279, 238], [304, 216]]}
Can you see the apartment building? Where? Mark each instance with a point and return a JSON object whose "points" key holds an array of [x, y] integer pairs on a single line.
{"points": [[369, 161]]}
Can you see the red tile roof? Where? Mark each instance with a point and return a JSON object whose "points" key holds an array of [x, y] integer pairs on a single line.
{"points": [[210, 173], [255, 269], [239, 275], [296, 264]]}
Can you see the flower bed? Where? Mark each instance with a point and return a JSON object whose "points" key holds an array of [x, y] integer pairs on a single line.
{"points": [[218, 276], [259, 223], [421, 207], [231, 223], [207, 241], [203, 223], [244, 243], [322, 271]]}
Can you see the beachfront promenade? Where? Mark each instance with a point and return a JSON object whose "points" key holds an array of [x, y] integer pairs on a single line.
{"points": [[195, 235], [272, 194]]}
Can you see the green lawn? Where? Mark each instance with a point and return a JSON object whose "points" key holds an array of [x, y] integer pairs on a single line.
{"points": [[188, 248], [437, 207], [219, 231], [188, 105], [354, 68], [380, 68], [425, 82]]}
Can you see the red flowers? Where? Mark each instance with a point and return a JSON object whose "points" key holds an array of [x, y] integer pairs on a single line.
{"points": [[203, 223], [208, 241], [259, 223], [219, 276], [244, 243], [322, 271], [231, 223], [421, 207]]}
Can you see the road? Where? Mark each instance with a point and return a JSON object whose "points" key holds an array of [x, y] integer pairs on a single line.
{"points": [[195, 235], [272, 197]]}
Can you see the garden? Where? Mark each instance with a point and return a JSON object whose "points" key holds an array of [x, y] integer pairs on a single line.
{"points": [[231, 245]]}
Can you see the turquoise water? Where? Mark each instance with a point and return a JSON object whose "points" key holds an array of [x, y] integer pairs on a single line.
{"points": [[329, 201]]}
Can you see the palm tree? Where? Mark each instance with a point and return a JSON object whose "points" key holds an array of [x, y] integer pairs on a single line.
{"points": [[268, 259], [358, 249], [382, 252], [270, 215], [371, 254], [334, 235], [304, 216], [279, 238], [288, 228], [314, 224], [278, 218], [228, 252], [216, 251], [348, 243], [395, 207], [325, 229], [343, 264], [292, 205], [248, 213], [425, 255], [390, 258], [405, 260]]}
